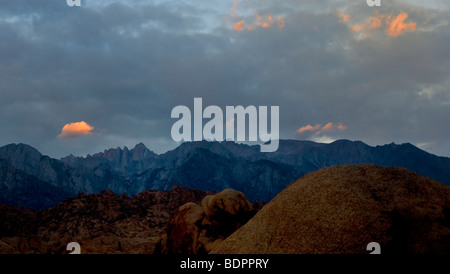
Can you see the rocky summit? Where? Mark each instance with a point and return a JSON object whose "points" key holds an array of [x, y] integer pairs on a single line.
{"points": [[103, 223], [342, 209]]}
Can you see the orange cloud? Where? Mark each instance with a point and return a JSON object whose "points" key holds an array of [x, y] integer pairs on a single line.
{"points": [[259, 21], [375, 23], [233, 9], [397, 26], [308, 128], [344, 17], [327, 127], [75, 130], [342, 127], [393, 27], [319, 129], [262, 21], [238, 26], [267, 23]]}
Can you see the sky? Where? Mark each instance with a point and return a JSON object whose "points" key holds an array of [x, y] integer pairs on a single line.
{"points": [[78, 80]]}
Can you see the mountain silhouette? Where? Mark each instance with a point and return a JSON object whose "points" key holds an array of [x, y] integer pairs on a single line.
{"points": [[201, 165]]}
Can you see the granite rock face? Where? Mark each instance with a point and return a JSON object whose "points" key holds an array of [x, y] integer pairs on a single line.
{"points": [[341, 209]]}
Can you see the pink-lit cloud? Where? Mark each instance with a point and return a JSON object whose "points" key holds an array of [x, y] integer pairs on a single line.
{"points": [[309, 128], [76, 129], [397, 25], [258, 21], [343, 17], [239, 26], [392, 25], [318, 129]]}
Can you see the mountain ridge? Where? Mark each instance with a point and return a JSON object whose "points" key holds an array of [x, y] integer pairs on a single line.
{"points": [[212, 166]]}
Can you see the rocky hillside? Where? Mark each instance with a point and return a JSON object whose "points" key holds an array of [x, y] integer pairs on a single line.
{"points": [[334, 210], [341, 209], [100, 223]]}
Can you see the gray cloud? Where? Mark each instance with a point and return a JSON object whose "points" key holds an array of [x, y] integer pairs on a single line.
{"points": [[122, 67]]}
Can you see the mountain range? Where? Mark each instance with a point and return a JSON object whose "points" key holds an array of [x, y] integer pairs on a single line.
{"points": [[33, 180]]}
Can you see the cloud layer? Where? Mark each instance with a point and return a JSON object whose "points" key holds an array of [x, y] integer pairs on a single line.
{"points": [[321, 133], [123, 65]]}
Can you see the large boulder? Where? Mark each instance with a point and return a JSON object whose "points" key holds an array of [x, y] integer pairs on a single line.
{"points": [[183, 231], [342, 209], [228, 207], [195, 229]]}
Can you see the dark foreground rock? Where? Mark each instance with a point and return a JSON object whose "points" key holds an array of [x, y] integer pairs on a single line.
{"points": [[100, 223], [197, 229], [341, 209]]}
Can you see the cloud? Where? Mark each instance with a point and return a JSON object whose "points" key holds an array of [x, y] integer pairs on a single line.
{"points": [[262, 21], [375, 23], [344, 17], [392, 25], [309, 128], [318, 129], [397, 26], [327, 127], [258, 21], [342, 127], [128, 63], [75, 130], [323, 139], [234, 8], [239, 26], [266, 21]]}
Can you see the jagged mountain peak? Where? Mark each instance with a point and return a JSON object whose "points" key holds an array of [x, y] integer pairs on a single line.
{"points": [[122, 160], [139, 149], [140, 146]]}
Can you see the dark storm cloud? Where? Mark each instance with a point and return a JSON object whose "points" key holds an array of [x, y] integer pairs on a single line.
{"points": [[66, 65], [123, 67]]}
